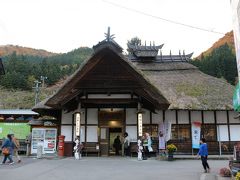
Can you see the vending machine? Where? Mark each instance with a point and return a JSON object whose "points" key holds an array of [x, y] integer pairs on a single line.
{"points": [[44, 137]]}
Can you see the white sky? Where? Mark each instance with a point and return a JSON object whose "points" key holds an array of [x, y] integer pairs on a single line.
{"points": [[64, 25]]}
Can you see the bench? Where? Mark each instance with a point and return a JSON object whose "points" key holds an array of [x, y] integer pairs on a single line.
{"points": [[91, 148]]}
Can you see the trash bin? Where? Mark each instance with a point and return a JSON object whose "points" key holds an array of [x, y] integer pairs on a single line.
{"points": [[39, 150]]}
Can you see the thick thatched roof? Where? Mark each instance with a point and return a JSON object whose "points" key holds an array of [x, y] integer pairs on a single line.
{"points": [[160, 81], [185, 87]]}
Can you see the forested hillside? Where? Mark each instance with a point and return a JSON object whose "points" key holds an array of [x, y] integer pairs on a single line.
{"points": [[22, 70], [219, 60], [19, 50]]}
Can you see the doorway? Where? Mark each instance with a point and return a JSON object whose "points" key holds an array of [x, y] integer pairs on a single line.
{"points": [[111, 124], [113, 133]]}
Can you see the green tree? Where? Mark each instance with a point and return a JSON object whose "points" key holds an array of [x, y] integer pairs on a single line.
{"points": [[221, 63], [133, 41]]}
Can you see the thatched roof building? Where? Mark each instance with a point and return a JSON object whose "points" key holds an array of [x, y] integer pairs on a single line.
{"points": [[137, 93], [164, 80]]}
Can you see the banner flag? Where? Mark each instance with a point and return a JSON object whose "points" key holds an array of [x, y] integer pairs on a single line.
{"points": [[196, 132], [168, 130], [161, 136]]}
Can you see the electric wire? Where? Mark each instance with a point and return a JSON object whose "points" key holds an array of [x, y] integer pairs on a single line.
{"points": [[163, 19]]}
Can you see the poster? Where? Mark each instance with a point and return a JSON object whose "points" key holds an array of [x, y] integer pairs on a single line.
{"points": [[196, 132]]}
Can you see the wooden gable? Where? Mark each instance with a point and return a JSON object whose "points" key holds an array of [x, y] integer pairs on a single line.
{"points": [[108, 72]]}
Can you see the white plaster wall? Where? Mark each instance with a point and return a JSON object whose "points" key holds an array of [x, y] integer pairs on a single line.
{"points": [[92, 116], [82, 135], [233, 114], [221, 117], [66, 117], [92, 135], [183, 117], [131, 116], [234, 132], [132, 133], [157, 118], [222, 133], [208, 116], [196, 116], [146, 116], [67, 132], [170, 116]]}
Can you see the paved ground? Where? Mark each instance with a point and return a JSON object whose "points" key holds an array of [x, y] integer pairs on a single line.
{"points": [[108, 168]]}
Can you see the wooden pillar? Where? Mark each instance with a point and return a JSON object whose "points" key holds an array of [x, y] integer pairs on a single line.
{"points": [[202, 116], [72, 127], [229, 133], [163, 114], [85, 130]]}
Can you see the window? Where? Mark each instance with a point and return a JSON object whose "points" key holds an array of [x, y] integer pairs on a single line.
{"points": [[151, 129], [181, 132], [208, 131]]}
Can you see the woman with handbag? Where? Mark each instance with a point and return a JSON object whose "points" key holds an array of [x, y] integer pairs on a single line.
{"points": [[7, 149]]}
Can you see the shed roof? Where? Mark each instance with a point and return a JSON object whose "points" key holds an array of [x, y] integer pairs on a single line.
{"points": [[17, 112]]}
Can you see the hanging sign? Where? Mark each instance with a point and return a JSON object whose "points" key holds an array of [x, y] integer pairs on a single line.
{"points": [[78, 122], [196, 131], [140, 132]]}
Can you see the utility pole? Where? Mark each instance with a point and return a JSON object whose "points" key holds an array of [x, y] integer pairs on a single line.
{"points": [[43, 78], [37, 90]]}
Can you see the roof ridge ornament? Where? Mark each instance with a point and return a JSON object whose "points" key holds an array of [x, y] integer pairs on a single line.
{"points": [[109, 36]]}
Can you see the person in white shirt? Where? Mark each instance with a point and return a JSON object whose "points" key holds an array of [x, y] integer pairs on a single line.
{"points": [[126, 144]]}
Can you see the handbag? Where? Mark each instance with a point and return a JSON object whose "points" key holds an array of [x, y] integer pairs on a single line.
{"points": [[5, 151]]}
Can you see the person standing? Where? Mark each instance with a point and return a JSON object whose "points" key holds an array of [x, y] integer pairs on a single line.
{"points": [[126, 144], [8, 144], [117, 145], [16, 147], [149, 144], [203, 152]]}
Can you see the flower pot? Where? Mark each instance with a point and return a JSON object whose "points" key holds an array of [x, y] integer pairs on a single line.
{"points": [[170, 156]]}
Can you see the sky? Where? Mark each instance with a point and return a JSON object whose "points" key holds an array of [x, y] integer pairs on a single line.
{"points": [[63, 25]]}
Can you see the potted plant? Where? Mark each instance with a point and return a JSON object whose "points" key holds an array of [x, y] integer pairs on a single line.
{"points": [[171, 148]]}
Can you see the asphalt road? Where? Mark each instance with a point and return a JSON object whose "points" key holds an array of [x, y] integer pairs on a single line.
{"points": [[108, 168]]}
